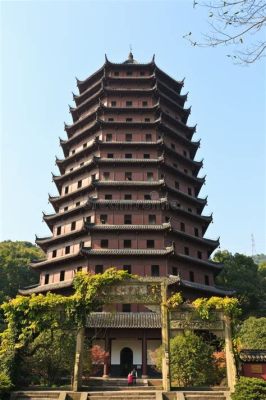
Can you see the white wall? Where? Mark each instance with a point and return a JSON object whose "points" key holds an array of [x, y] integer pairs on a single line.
{"points": [[133, 344]]}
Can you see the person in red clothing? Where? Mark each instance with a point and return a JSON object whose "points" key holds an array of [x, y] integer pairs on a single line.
{"points": [[130, 379]]}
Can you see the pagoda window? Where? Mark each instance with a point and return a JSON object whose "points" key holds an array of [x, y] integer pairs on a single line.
{"points": [[46, 279], [185, 153], [147, 197], [128, 219], [175, 271], [84, 145], [116, 73], [104, 243], [126, 307], [110, 119], [200, 254], [88, 219], [66, 208], [81, 164], [106, 176], [103, 218], [54, 253], [167, 219], [128, 155], [129, 103], [128, 137], [150, 176], [198, 211], [62, 276], [196, 231], [128, 196], [182, 227], [155, 271], [142, 73], [128, 176], [73, 225], [108, 196], [147, 119], [189, 190], [79, 184], [79, 269], [109, 137], [191, 276], [148, 137], [67, 250], [73, 151], [146, 155], [66, 189], [209, 252], [129, 119], [110, 155], [176, 185], [77, 203], [150, 244], [162, 176], [58, 230], [144, 103], [129, 73], [152, 219], [127, 244], [206, 280], [98, 269], [186, 250], [93, 177], [127, 268], [113, 103]]}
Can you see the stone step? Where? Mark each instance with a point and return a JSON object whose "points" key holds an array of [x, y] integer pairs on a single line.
{"points": [[215, 395], [131, 395], [34, 395], [121, 388]]}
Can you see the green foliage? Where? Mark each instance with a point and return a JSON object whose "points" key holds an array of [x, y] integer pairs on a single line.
{"points": [[250, 389], [228, 305], [15, 272], [241, 273], [5, 383], [192, 362], [29, 316], [252, 334], [175, 300], [49, 357]]}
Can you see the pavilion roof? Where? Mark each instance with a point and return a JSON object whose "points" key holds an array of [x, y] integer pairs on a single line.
{"points": [[148, 320], [253, 355]]}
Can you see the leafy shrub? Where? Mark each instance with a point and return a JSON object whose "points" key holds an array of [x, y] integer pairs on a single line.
{"points": [[5, 383], [250, 389]]}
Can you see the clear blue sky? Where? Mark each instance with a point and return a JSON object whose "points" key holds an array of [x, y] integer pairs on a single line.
{"points": [[44, 45]]}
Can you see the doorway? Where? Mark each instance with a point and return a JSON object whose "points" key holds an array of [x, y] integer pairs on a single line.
{"points": [[126, 361]]}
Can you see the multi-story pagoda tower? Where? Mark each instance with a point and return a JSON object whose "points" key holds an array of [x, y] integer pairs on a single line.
{"points": [[129, 197], [129, 185]]}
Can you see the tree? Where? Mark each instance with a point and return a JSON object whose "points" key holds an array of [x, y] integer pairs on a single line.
{"points": [[252, 334], [241, 274], [48, 358], [236, 23], [15, 272], [249, 389], [192, 361]]}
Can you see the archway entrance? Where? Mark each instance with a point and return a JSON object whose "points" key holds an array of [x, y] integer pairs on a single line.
{"points": [[126, 361]]}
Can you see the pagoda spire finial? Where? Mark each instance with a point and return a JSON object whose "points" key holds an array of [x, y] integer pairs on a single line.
{"points": [[130, 55]]}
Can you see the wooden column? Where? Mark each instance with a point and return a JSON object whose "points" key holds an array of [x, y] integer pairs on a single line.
{"points": [[229, 355], [106, 367], [78, 366], [144, 356], [165, 339]]}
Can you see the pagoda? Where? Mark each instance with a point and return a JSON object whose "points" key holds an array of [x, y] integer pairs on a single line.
{"points": [[128, 196]]}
